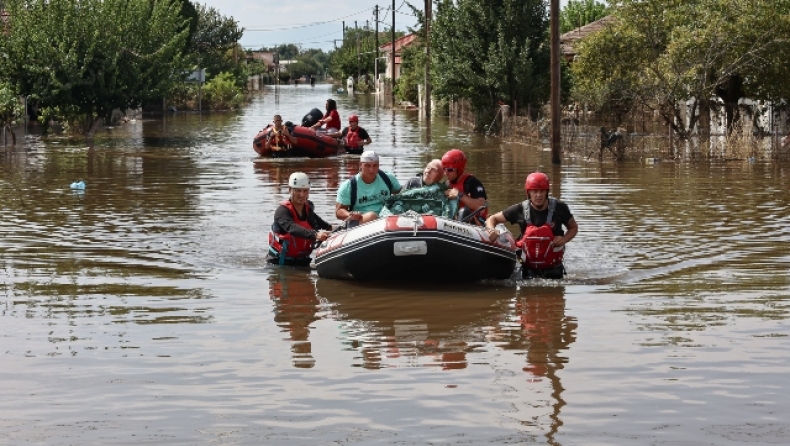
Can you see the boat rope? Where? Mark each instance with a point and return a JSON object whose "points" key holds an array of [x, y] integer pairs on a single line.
{"points": [[415, 218]]}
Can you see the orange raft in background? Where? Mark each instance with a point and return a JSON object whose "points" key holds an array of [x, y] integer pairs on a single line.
{"points": [[308, 144]]}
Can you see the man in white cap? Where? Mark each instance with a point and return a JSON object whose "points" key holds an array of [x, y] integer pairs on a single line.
{"points": [[361, 197], [296, 227]]}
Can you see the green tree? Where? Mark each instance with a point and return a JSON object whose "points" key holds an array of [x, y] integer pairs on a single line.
{"points": [[357, 55], [10, 109], [412, 67], [214, 43], [488, 52], [89, 57], [578, 13], [662, 53], [287, 51], [222, 93], [315, 61]]}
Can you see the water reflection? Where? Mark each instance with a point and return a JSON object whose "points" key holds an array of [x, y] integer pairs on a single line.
{"points": [[454, 328], [400, 326], [296, 307]]}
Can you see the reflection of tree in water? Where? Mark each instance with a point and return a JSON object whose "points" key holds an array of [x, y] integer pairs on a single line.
{"points": [[544, 331], [296, 308]]}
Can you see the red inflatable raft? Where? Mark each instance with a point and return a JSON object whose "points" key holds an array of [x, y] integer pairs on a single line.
{"points": [[308, 143]]}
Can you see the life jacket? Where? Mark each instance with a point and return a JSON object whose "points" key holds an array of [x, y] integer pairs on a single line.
{"points": [[535, 244], [458, 184], [383, 176], [295, 248], [352, 138], [278, 141]]}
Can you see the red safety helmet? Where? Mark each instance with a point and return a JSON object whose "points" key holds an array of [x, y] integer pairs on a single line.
{"points": [[537, 181], [353, 118], [454, 159]]}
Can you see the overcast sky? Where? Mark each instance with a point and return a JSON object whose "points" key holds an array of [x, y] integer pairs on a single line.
{"points": [[310, 23]]}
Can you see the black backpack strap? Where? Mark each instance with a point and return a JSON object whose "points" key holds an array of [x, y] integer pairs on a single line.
{"points": [[386, 180], [384, 177], [353, 192]]}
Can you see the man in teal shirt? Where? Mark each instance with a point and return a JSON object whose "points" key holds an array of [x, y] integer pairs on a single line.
{"points": [[361, 197]]}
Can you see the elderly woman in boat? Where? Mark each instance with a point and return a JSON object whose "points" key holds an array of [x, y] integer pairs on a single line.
{"points": [[431, 174]]}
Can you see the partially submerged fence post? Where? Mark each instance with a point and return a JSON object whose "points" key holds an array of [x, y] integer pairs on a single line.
{"points": [[505, 112]]}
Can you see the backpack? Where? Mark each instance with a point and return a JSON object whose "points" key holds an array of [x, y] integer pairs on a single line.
{"points": [[535, 244], [383, 176]]}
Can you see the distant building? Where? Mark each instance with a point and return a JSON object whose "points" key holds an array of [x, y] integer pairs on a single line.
{"points": [[568, 40], [266, 57], [387, 49], [284, 64]]}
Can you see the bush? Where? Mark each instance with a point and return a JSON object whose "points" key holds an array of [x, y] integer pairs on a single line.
{"points": [[222, 93]]}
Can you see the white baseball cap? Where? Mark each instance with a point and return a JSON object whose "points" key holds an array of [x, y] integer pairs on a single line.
{"points": [[369, 157]]}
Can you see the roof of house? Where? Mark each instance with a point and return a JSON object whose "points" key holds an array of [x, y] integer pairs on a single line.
{"points": [[569, 39], [400, 42]]}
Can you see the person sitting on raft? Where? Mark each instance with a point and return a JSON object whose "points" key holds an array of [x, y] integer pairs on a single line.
{"points": [[431, 174], [465, 187], [361, 197], [331, 120], [279, 138], [296, 226], [540, 218], [354, 137]]}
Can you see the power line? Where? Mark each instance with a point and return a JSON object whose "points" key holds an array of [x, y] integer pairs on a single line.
{"points": [[406, 14], [307, 25]]}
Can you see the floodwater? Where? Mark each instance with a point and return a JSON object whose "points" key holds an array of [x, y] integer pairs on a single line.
{"points": [[141, 310]]}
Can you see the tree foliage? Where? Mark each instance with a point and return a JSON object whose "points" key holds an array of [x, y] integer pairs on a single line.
{"points": [[88, 57], [286, 51], [357, 54], [10, 108], [662, 53], [578, 13], [211, 44], [491, 51]]}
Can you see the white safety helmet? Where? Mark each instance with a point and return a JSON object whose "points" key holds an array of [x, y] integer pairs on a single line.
{"points": [[299, 180]]}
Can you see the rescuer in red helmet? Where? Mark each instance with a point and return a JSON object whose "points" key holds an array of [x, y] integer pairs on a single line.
{"points": [[541, 219], [465, 187], [354, 137]]}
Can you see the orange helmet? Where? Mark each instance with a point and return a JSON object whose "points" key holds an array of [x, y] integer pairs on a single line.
{"points": [[454, 159], [353, 118], [537, 181]]}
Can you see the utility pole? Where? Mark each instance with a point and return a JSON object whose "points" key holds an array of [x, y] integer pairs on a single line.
{"points": [[393, 54], [344, 31], [358, 50], [556, 140], [428, 7], [376, 60]]}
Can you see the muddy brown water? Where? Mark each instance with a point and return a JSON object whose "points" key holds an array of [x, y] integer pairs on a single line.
{"points": [[141, 310]]}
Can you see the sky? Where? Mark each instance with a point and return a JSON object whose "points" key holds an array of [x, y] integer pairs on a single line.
{"points": [[310, 23]]}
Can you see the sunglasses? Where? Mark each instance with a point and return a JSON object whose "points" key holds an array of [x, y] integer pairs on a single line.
{"points": [[449, 169]]}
